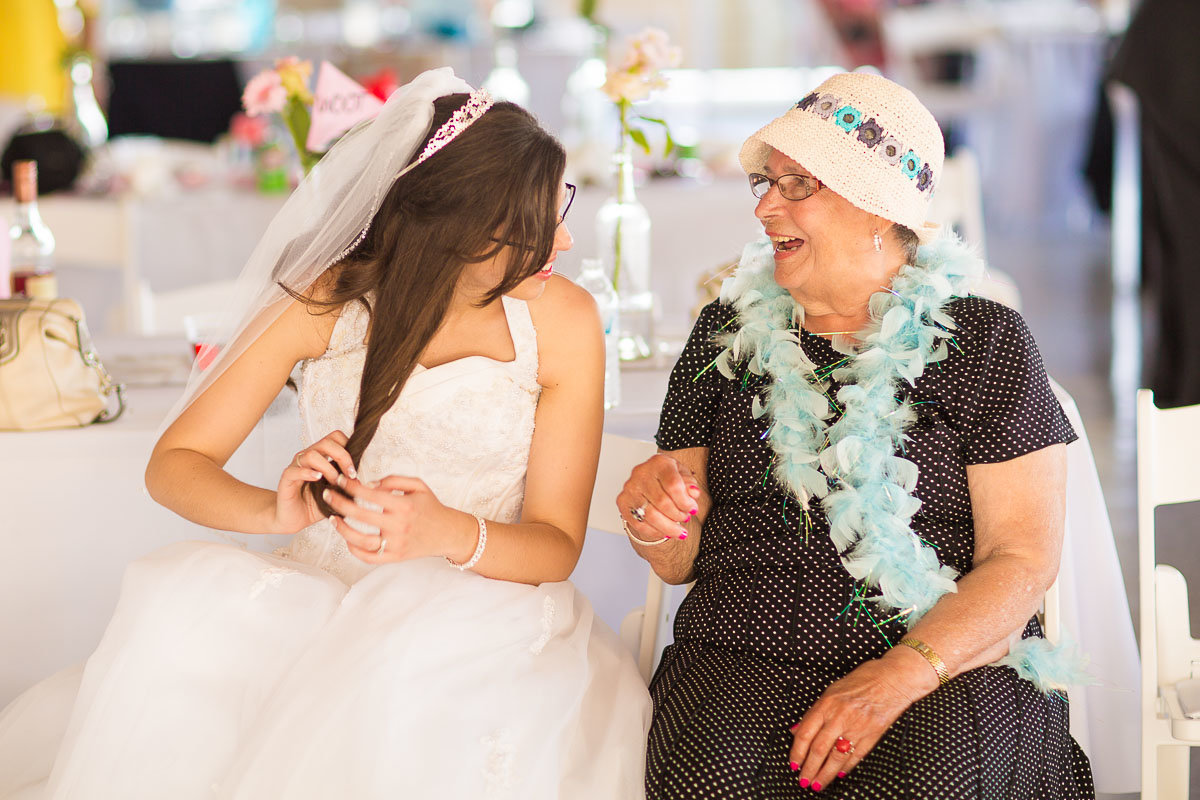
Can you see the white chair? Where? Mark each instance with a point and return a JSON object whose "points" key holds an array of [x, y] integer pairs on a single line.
{"points": [[1167, 443], [643, 628], [164, 313]]}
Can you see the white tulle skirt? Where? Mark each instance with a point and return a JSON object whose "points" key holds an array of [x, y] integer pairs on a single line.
{"points": [[228, 674]]}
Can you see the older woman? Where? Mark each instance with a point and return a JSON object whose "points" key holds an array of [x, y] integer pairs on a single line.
{"points": [[862, 469]]}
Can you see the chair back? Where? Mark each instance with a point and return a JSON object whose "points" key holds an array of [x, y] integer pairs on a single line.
{"points": [[1167, 443], [641, 628], [165, 313]]}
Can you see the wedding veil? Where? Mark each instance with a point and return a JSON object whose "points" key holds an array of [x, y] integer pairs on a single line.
{"points": [[324, 219]]}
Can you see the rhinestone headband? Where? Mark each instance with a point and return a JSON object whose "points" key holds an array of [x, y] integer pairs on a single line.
{"points": [[479, 102]]}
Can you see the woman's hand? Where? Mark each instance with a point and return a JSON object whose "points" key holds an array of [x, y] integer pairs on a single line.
{"points": [[412, 522], [858, 708], [294, 510], [659, 498]]}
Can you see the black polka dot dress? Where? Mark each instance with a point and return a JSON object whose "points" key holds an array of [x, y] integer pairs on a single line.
{"points": [[765, 628]]}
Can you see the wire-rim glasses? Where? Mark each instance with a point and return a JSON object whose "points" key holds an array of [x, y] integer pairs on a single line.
{"points": [[791, 187]]}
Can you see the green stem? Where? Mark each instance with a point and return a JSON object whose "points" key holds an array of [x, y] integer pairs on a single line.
{"points": [[623, 108]]}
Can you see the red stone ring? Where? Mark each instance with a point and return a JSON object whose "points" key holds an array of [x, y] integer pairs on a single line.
{"points": [[843, 745]]}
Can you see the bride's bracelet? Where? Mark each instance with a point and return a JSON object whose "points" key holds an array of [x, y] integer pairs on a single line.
{"points": [[478, 554]]}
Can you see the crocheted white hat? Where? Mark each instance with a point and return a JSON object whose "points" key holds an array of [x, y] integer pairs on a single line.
{"points": [[868, 139]]}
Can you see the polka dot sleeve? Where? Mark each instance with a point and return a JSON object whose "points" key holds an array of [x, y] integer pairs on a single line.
{"points": [[1012, 409], [690, 409]]}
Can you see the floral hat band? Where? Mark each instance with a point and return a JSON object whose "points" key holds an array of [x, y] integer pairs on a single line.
{"points": [[868, 139], [872, 135]]}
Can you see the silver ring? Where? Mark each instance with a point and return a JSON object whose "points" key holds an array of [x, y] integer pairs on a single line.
{"points": [[382, 546], [298, 464], [639, 513]]}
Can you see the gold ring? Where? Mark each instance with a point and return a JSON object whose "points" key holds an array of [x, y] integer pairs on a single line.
{"points": [[382, 546], [298, 464]]}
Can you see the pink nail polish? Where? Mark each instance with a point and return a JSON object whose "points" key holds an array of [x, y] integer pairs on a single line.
{"points": [[683, 535], [795, 767], [694, 512], [804, 783], [693, 486], [841, 774], [794, 727], [816, 787]]}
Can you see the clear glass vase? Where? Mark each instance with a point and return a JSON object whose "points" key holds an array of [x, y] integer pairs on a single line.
{"points": [[623, 237]]}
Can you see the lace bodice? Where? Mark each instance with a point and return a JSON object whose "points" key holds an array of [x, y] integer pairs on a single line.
{"points": [[463, 427]]}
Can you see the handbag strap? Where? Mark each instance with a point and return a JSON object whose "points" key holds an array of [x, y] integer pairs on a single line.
{"points": [[107, 385]]}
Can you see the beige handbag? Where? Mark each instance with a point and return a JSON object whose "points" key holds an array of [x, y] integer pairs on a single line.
{"points": [[50, 377]]}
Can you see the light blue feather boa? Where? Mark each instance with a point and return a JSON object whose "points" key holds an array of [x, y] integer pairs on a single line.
{"points": [[872, 505]]}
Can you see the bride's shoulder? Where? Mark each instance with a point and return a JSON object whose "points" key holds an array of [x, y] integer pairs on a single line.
{"points": [[310, 318], [568, 327]]}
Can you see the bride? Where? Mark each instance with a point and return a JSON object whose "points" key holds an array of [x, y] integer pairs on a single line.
{"points": [[418, 638]]}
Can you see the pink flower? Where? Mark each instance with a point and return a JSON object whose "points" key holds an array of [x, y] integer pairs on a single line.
{"points": [[639, 70], [264, 94], [251, 131]]}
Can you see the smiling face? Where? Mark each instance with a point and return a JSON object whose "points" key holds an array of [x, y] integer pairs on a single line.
{"points": [[824, 245]]}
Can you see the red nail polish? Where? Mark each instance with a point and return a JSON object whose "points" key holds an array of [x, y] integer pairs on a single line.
{"points": [[816, 787], [841, 774], [795, 767], [804, 783]]}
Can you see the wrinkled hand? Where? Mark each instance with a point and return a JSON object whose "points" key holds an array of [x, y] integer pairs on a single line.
{"points": [[409, 518], [667, 493], [859, 707], [294, 509]]}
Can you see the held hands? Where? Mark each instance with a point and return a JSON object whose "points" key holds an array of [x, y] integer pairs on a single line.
{"points": [[851, 716], [660, 497], [295, 510]]}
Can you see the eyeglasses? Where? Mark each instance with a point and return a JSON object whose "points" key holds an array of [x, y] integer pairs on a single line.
{"points": [[566, 204], [792, 187]]}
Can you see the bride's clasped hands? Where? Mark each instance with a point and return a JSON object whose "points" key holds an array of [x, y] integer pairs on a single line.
{"points": [[411, 521]]}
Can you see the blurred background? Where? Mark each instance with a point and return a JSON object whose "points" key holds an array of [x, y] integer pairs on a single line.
{"points": [[156, 185]]}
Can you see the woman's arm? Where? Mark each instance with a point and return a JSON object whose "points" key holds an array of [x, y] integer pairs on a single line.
{"points": [[673, 488], [186, 473], [545, 545], [1019, 508]]}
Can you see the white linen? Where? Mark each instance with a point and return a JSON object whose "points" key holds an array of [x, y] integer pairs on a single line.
{"points": [[1095, 614]]}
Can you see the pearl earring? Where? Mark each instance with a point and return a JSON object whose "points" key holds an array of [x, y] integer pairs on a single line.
{"points": [[878, 242]]}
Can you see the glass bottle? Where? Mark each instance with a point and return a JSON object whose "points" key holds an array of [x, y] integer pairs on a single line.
{"points": [[32, 242], [593, 278], [89, 122], [623, 236]]}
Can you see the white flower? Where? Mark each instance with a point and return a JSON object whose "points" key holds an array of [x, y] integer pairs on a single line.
{"points": [[651, 51], [626, 86]]}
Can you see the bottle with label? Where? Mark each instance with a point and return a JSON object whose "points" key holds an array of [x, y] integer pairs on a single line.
{"points": [[32, 243], [596, 281]]}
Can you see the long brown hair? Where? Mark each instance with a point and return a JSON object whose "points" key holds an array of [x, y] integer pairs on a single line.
{"points": [[496, 183]]}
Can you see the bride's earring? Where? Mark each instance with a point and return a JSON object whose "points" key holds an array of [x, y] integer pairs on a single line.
{"points": [[878, 242]]}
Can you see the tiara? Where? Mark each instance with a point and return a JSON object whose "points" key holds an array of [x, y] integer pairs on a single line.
{"points": [[479, 102]]}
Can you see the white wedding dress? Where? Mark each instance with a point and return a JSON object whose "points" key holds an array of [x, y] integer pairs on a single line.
{"points": [[309, 674]]}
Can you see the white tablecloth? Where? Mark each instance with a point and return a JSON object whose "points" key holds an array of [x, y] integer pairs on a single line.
{"points": [[77, 513]]}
